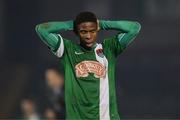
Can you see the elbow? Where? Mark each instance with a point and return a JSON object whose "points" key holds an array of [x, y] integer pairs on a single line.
{"points": [[137, 27], [37, 28]]}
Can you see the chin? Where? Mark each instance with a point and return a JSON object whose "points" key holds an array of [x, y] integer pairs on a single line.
{"points": [[89, 44]]}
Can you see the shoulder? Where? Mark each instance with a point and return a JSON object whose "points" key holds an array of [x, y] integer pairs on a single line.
{"points": [[68, 41], [109, 40]]}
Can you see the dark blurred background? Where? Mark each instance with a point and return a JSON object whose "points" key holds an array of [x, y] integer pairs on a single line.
{"points": [[148, 76]]}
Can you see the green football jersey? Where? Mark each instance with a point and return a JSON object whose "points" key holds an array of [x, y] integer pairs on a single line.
{"points": [[89, 79], [89, 74]]}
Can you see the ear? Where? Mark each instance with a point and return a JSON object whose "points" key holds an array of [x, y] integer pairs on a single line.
{"points": [[98, 27]]}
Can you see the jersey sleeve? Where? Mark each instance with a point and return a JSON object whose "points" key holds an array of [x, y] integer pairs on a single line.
{"points": [[127, 31], [48, 33]]}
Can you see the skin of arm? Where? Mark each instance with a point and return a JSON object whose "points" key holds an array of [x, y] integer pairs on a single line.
{"points": [[128, 30], [48, 32]]}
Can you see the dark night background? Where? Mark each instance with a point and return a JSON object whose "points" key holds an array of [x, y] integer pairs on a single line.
{"points": [[148, 76]]}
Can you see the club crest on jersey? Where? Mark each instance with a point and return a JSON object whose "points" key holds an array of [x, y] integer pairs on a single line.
{"points": [[100, 52], [85, 67]]}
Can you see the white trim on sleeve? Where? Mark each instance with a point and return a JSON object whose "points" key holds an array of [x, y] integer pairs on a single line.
{"points": [[60, 50]]}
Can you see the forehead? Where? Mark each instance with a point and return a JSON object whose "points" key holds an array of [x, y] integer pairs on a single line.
{"points": [[87, 25]]}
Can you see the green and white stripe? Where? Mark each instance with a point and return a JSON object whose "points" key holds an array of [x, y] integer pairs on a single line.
{"points": [[104, 89]]}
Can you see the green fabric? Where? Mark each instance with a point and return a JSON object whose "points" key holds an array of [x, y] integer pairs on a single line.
{"points": [[128, 30], [82, 93], [112, 48], [48, 32]]}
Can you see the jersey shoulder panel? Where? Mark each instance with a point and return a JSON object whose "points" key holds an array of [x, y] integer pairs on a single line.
{"points": [[64, 44], [113, 45]]}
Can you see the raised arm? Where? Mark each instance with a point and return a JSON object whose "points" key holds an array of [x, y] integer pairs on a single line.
{"points": [[128, 30], [48, 33]]}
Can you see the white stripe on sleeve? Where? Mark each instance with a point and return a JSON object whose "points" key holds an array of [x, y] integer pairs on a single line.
{"points": [[60, 50]]}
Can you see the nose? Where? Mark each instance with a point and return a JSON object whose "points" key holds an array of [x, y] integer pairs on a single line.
{"points": [[88, 35]]}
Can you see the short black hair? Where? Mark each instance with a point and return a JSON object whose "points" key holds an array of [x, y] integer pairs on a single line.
{"points": [[84, 17]]}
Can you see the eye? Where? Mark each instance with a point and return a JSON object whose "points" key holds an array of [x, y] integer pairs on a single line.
{"points": [[93, 31], [83, 32]]}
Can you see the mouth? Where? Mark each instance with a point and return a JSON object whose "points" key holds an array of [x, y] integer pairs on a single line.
{"points": [[88, 39]]}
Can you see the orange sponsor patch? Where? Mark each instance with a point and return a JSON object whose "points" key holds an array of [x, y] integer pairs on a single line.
{"points": [[85, 67]]}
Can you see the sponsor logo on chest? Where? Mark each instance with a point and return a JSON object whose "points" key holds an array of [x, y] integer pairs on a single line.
{"points": [[85, 67]]}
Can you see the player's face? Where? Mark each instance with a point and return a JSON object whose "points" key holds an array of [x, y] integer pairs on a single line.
{"points": [[87, 32]]}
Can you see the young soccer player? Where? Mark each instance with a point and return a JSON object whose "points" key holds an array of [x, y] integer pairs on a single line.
{"points": [[89, 66]]}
